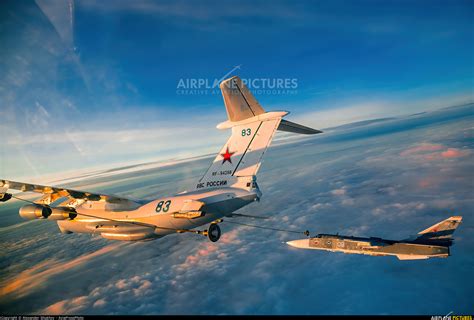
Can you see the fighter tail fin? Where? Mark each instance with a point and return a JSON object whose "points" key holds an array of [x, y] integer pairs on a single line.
{"points": [[252, 132], [441, 232]]}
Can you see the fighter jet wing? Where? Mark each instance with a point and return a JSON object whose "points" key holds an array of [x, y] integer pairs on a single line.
{"points": [[53, 193]]}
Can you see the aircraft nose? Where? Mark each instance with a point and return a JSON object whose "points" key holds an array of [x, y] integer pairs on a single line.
{"points": [[301, 243]]}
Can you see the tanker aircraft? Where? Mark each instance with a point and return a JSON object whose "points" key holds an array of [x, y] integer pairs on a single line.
{"points": [[229, 184]]}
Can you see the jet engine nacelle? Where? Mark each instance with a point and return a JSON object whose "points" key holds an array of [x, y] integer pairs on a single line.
{"points": [[62, 213], [36, 211]]}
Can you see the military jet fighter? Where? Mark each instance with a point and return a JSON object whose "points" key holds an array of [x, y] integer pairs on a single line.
{"points": [[229, 184], [431, 242]]}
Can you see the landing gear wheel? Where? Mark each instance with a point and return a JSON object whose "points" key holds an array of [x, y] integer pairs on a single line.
{"points": [[214, 232]]}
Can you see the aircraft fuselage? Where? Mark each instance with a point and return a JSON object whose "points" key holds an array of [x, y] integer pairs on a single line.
{"points": [[404, 250], [163, 213]]}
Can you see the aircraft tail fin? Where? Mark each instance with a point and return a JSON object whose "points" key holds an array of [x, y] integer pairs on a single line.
{"points": [[239, 101], [252, 132], [241, 105], [441, 232]]}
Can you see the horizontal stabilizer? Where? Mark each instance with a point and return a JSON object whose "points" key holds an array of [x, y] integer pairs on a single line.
{"points": [[289, 126]]}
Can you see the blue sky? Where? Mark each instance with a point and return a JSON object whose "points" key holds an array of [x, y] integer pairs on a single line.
{"points": [[94, 83]]}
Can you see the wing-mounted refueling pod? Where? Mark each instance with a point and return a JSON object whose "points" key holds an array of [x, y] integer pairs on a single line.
{"points": [[4, 197]]}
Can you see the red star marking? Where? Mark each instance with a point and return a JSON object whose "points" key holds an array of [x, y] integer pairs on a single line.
{"points": [[227, 156]]}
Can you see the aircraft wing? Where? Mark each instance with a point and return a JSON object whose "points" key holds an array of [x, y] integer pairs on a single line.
{"points": [[53, 193]]}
